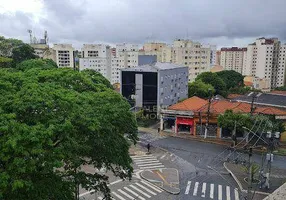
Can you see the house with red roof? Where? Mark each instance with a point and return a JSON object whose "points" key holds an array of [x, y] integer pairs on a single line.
{"points": [[191, 115]]}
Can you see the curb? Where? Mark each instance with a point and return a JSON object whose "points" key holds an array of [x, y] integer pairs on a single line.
{"points": [[239, 183]]}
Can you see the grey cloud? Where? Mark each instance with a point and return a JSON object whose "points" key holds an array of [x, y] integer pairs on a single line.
{"points": [[114, 21]]}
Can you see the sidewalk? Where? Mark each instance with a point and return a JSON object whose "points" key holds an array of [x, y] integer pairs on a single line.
{"points": [[277, 178]]}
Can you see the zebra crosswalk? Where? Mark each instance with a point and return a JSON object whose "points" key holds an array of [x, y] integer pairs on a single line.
{"points": [[139, 190], [211, 191], [147, 162]]}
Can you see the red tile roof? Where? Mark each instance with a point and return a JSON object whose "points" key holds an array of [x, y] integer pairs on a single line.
{"points": [[217, 107], [190, 104]]}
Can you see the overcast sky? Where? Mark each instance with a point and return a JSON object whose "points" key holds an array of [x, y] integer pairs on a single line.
{"points": [[221, 22]]}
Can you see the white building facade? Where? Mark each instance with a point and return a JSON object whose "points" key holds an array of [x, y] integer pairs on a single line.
{"points": [[109, 61], [233, 58], [64, 55], [264, 59]]}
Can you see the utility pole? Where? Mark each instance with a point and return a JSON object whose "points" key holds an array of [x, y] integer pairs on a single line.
{"points": [[252, 108], [208, 113], [249, 180]]}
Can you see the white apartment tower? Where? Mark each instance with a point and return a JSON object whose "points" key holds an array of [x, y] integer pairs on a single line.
{"points": [[96, 57], [193, 55], [265, 60], [64, 55], [233, 58], [95, 50], [109, 61]]}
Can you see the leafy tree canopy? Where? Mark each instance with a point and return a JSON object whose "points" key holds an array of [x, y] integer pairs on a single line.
{"points": [[231, 120], [5, 62], [214, 80], [231, 78], [37, 63], [54, 121], [16, 49], [200, 89]]}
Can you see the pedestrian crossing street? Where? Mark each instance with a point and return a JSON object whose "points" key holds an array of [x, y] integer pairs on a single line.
{"points": [[141, 190], [211, 191], [147, 162]]}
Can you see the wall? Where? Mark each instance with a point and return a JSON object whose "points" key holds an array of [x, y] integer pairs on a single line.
{"points": [[173, 86]]}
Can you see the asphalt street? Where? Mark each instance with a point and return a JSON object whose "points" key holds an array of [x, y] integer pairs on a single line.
{"points": [[201, 176]]}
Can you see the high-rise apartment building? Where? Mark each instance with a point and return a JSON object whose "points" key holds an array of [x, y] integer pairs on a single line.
{"points": [[109, 61], [193, 55], [265, 60], [199, 58], [95, 50], [154, 48], [233, 58], [217, 57], [213, 50], [282, 66], [64, 55]]}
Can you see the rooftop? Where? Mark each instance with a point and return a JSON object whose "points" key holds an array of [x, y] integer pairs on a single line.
{"points": [[233, 49], [267, 99], [154, 67], [192, 103], [196, 104]]}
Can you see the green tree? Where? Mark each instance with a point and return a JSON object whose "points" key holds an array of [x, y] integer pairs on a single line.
{"points": [[200, 89], [234, 122], [231, 78], [214, 80], [54, 121], [37, 63], [5, 62], [22, 52], [16, 49]]}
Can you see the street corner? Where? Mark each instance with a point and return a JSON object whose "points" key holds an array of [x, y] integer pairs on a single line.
{"points": [[165, 178]]}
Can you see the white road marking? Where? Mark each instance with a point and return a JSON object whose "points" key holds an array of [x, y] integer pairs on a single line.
{"points": [[204, 190], [137, 189], [227, 193], [188, 187], [142, 186], [196, 189], [114, 182], [149, 161], [118, 196], [212, 191], [124, 193], [134, 193], [100, 198], [153, 167], [236, 195], [142, 165], [219, 192], [91, 191], [163, 155], [145, 160], [152, 186], [143, 157]]}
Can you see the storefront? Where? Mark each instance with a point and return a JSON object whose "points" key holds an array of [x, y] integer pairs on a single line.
{"points": [[185, 125], [169, 123]]}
